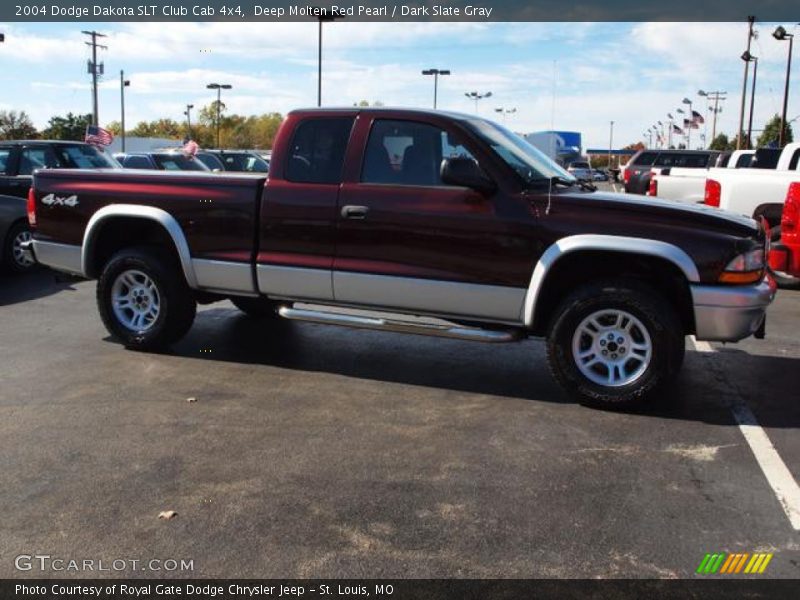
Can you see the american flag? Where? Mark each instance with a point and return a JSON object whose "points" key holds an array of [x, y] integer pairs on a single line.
{"points": [[676, 129], [98, 136], [687, 124], [190, 148], [697, 117]]}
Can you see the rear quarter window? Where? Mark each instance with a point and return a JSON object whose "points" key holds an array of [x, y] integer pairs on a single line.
{"points": [[5, 155], [316, 154]]}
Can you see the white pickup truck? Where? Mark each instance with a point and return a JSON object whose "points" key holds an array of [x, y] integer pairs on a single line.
{"points": [[748, 191]]}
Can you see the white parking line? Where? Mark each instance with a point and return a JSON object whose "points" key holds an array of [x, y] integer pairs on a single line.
{"points": [[775, 470]]}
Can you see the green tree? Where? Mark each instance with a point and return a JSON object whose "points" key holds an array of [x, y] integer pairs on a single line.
{"points": [[68, 127], [16, 125], [162, 128], [771, 133], [721, 142]]}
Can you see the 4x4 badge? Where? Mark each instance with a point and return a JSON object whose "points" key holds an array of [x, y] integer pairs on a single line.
{"points": [[53, 200]]}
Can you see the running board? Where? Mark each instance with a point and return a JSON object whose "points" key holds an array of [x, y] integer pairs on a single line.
{"points": [[380, 324]]}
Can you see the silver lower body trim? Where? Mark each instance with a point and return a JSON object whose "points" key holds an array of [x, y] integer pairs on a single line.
{"points": [[730, 313], [295, 282], [224, 275], [61, 257], [427, 296]]}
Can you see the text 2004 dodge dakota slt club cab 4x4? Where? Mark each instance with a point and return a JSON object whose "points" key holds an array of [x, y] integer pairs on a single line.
{"points": [[422, 213]]}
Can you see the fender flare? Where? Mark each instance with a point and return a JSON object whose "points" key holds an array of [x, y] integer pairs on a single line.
{"points": [[606, 243], [162, 217]]}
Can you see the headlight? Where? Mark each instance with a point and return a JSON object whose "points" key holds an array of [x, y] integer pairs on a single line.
{"points": [[745, 268]]}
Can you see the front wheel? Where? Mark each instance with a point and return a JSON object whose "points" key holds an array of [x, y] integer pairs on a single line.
{"points": [[144, 300], [615, 344]]}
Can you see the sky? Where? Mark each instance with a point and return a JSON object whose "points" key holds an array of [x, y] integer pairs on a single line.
{"points": [[563, 76]]}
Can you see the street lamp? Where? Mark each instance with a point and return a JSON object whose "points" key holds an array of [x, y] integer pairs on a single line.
{"points": [[746, 56], [476, 96], [123, 83], [323, 15], [691, 122], [219, 87], [188, 113], [781, 35], [505, 112], [435, 73]]}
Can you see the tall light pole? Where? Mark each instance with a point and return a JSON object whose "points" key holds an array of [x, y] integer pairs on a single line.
{"points": [[716, 96], [669, 135], [323, 15], [505, 112], [188, 113], [123, 83], [95, 70], [476, 96], [219, 87], [610, 143], [780, 34], [750, 21], [435, 73], [747, 57], [691, 123]]}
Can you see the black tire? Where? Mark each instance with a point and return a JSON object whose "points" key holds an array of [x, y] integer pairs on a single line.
{"points": [[176, 306], [258, 308], [12, 258], [783, 280], [648, 378]]}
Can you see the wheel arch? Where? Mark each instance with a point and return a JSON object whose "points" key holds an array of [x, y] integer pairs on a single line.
{"points": [[595, 247], [150, 215]]}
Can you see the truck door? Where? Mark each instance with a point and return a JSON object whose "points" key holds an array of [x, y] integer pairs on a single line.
{"points": [[407, 241], [298, 211]]}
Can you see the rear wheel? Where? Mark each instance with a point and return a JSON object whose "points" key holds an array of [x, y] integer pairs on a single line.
{"points": [[615, 344], [258, 308], [14, 258], [144, 300], [784, 280]]}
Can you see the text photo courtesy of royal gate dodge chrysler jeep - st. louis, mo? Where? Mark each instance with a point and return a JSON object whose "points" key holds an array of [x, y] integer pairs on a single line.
{"points": [[423, 300]]}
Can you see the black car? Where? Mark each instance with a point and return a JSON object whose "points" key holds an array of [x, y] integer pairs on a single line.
{"points": [[160, 161], [636, 174], [244, 161], [18, 160]]}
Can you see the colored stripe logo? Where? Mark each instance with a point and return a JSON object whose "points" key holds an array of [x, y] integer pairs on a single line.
{"points": [[734, 564]]}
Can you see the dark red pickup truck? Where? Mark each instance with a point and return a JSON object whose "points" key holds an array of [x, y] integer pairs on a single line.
{"points": [[414, 212]]}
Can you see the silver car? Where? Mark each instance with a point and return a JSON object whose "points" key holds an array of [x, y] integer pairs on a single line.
{"points": [[581, 171]]}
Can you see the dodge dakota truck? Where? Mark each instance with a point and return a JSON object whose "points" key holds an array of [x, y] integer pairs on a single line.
{"points": [[441, 223]]}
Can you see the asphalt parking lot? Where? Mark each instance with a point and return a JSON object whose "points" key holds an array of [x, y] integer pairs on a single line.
{"points": [[314, 451]]}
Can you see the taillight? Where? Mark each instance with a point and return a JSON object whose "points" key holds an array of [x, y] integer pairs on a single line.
{"points": [[626, 175], [653, 189], [31, 206], [713, 192], [790, 221]]}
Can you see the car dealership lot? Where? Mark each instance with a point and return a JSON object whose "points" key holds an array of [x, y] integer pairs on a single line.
{"points": [[313, 451]]}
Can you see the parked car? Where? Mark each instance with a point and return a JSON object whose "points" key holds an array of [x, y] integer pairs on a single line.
{"points": [[244, 161], [599, 175], [784, 256], [18, 159], [474, 225], [636, 173], [160, 161], [580, 170]]}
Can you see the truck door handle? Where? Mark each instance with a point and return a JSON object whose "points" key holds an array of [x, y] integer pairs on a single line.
{"points": [[354, 212]]}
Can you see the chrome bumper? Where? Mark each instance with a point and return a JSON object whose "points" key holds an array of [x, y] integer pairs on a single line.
{"points": [[730, 313]]}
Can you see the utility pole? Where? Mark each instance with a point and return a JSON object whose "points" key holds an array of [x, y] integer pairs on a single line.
{"points": [[610, 144], [750, 21], [123, 83], [716, 96], [188, 113], [95, 70]]}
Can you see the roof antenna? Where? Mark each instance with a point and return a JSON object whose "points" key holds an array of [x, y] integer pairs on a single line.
{"points": [[552, 137]]}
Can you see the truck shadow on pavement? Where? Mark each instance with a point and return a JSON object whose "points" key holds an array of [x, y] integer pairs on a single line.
{"points": [[706, 386], [16, 288]]}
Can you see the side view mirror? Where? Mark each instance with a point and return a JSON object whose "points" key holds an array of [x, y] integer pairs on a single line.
{"points": [[465, 172]]}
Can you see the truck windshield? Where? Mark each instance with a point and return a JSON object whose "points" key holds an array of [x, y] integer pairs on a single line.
{"points": [[529, 163], [83, 156]]}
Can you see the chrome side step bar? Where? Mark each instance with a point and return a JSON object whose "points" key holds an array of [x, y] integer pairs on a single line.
{"points": [[449, 330]]}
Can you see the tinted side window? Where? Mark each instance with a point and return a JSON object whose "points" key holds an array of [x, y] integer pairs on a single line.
{"points": [[37, 158], [317, 150], [137, 162], [408, 153], [645, 159], [5, 155]]}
